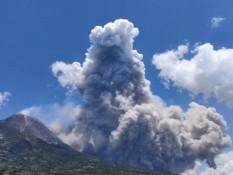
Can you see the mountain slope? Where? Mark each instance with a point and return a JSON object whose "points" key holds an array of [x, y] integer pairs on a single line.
{"points": [[27, 146]]}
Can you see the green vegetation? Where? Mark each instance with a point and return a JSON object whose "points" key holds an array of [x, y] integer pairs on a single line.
{"points": [[27, 155]]}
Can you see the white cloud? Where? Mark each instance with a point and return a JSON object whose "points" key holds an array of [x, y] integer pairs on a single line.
{"points": [[208, 72], [224, 163], [69, 75], [216, 21], [4, 97]]}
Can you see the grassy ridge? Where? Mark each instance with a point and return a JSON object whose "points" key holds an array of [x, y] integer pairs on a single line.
{"points": [[22, 155]]}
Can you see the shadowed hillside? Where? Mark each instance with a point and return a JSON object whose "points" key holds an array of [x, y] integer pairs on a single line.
{"points": [[28, 147]]}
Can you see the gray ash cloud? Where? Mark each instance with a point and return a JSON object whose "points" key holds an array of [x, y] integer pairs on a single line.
{"points": [[122, 121]]}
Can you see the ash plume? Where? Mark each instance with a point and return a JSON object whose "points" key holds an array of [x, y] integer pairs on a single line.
{"points": [[121, 120]]}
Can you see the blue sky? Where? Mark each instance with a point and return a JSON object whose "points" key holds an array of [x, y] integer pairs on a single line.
{"points": [[34, 34]]}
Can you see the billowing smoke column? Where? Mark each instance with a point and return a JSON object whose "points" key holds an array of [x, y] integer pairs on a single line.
{"points": [[122, 121]]}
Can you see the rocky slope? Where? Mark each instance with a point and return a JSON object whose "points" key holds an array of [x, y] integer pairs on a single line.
{"points": [[27, 146]]}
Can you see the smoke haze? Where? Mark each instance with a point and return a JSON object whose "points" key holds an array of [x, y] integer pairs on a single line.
{"points": [[4, 97], [121, 120]]}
